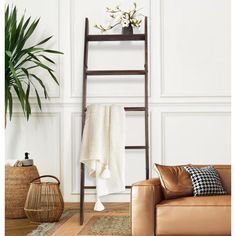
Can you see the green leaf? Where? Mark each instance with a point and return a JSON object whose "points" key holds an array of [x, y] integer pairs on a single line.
{"points": [[27, 92], [47, 58], [12, 27], [7, 13], [21, 93], [33, 49], [22, 39], [8, 53], [38, 99], [33, 56], [31, 29], [23, 61], [6, 99], [44, 41], [20, 97], [12, 69], [31, 67], [53, 51], [53, 76], [10, 104], [42, 65], [19, 27], [27, 104], [41, 83], [26, 72]]}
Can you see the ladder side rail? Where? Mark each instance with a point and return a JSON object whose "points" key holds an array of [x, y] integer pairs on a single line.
{"points": [[146, 99], [94, 187], [82, 168]]}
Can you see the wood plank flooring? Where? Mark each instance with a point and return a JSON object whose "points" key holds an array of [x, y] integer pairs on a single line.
{"points": [[21, 227]]}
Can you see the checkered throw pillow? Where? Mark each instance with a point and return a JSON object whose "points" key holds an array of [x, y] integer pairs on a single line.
{"points": [[205, 181]]}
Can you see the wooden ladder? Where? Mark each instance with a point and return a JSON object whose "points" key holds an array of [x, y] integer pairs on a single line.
{"points": [[114, 37]]}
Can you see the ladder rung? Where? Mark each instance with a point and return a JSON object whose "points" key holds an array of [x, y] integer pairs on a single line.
{"points": [[115, 37], [90, 187], [130, 109], [135, 147], [115, 72], [94, 187], [135, 109]]}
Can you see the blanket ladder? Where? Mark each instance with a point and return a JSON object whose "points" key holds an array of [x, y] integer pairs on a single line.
{"points": [[114, 37]]}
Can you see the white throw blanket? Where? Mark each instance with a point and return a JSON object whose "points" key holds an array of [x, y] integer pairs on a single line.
{"points": [[103, 149]]}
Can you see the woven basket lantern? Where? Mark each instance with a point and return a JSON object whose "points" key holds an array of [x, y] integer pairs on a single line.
{"points": [[44, 201], [17, 183]]}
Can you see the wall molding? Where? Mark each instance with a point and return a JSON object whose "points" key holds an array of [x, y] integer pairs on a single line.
{"points": [[73, 154], [59, 2], [57, 115], [181, 113], [164, 93], [76, 103]]}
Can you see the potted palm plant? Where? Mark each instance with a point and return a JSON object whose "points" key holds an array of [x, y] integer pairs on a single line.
{"points": [[22, 63]]}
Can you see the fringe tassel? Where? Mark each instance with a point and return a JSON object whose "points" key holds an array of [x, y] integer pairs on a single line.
{"points": [[98, 206]]}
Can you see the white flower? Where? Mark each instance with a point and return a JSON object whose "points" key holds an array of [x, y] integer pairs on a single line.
{"points": [[125, 23], [125, 18]]}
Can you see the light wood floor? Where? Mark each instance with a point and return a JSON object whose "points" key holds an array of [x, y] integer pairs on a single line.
{"points": [[21, 227]]}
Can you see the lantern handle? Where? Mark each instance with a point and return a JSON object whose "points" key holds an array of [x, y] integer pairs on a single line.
{"points": [[45, 176]]}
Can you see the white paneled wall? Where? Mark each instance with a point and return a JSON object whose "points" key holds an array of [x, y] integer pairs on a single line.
{"points": [[189, 89], [195, 49]]}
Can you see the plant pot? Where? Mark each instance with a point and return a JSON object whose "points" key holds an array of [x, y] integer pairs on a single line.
{"points": [[127, 30]]}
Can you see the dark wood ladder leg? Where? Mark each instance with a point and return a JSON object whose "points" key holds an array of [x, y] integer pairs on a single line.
{"points": [[81, 194], [82, 169], [146, 100]]}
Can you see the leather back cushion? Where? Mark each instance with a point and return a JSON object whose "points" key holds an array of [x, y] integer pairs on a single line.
{"points": [[175, 181], [224, 172]]}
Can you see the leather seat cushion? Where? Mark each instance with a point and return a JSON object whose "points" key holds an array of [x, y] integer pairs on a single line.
{"points": [[206, 215]]}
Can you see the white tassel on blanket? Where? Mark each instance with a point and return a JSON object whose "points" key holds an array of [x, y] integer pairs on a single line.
{"points": [[103, 149]]}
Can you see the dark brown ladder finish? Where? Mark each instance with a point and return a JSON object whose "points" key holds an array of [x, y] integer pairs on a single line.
{"points": [[86, 73]]}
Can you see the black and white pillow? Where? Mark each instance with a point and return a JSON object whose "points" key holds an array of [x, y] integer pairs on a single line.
{"points": [[205, 181]]}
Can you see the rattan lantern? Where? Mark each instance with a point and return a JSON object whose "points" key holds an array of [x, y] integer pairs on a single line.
{"points": [[44, 201]]}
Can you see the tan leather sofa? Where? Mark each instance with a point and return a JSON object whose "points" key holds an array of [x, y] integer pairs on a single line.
{"points": [[206, 215]]}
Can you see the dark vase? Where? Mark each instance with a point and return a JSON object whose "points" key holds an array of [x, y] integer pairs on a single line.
{"points": [[127, 30]]}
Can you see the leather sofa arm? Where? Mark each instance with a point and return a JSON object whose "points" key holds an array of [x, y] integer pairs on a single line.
{"points": [[144, 197]]}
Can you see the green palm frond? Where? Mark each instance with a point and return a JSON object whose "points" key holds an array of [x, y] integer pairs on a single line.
{"points": [[21, 62]]}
